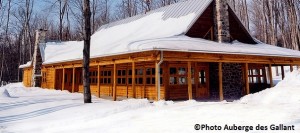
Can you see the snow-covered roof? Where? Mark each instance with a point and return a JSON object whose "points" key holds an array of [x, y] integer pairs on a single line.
{"points": [[28, 64], [164, 28], [117, 37], [188, 44]]}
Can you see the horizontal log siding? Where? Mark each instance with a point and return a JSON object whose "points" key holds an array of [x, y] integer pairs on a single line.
{"points": [[27, 77]]}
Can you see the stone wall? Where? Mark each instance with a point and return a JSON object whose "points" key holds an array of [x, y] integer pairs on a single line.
{"points": [[232, 81]]}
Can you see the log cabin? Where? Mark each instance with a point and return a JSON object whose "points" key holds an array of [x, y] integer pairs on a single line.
{"points": [[196, 49]]}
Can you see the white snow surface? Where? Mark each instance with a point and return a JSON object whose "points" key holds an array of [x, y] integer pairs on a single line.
{"points": [[28, 64], [36, 110]]}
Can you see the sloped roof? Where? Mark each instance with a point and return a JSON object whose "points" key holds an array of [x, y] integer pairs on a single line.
{"points": [[116, 37], [161, 29]]}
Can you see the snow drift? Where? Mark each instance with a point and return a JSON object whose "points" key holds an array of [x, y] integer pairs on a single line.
{"points": [[286, 91]]}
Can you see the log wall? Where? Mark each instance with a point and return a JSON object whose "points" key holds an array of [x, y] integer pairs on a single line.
{"points": [[27, 72]]}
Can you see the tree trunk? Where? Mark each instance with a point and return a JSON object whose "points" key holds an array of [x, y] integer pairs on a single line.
{"points": [[86, 51]]}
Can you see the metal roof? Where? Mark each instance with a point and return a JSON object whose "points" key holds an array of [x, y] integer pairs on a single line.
{"points": [[176, 10]]}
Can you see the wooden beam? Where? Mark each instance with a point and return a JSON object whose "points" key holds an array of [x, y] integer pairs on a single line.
{"points": [[291, 67], [166, 79], [264, 75], [247, 79], [282, 72], [73, 80], [270, 75], [54, 80], [156, 81], [63, 80], [144, 82], [115, 83], [221, 82], [190, 91], [127, 85], [98, 80], [196, 79], [133, 80]]}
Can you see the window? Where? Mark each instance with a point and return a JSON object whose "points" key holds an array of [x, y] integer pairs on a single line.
{"points": [[144, 76], [121, 77], [44, 77], [256, 75], [129, 77], [150, 76], [178, 76], [93, 77], [183, 78], [202, 77], [105, 77], [139, 76]]}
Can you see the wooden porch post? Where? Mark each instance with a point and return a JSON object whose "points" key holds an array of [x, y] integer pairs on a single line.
{"points": [[73, 80], [270, 75], [265, 75], [63, 80], [291, 67], [115, 83], [282, 72], [133, 79], [221, 82], [54, 80], [156, 81], [98, 81], [247, 79], [144, 82], [190, 92]]}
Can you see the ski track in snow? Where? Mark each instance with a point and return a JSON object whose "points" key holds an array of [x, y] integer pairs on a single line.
{"points": [[6, 106], [35, 113]]}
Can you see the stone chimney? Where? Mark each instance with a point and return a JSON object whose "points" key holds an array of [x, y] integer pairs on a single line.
{"points": [[40, 37], [221, 21]]}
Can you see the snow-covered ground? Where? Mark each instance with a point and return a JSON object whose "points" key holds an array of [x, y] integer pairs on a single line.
{"points": [[36, 110]]}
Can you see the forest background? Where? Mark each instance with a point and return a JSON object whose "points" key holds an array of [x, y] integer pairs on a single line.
{"points": [[275, 22]]}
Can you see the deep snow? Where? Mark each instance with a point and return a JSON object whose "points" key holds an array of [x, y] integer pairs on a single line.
{"points": [[31, 110]]}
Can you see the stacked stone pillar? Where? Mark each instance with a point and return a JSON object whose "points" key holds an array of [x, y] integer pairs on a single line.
{"points": [[232, 81], [221, 21]]}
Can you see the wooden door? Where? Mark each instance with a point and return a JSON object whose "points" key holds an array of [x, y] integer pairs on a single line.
{"points": [[58, 79], [202, 82]]}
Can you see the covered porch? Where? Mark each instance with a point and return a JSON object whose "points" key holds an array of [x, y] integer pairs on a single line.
{"points": [[188, 76]]}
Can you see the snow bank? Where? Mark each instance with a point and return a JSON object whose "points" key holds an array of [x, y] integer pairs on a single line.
{"points": [[162, 103], [4, 93], [286, 91], [28, 64]]}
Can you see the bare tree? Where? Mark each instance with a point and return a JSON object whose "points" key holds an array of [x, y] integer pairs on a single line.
{"points": [[3, 60], [86, 51]]}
